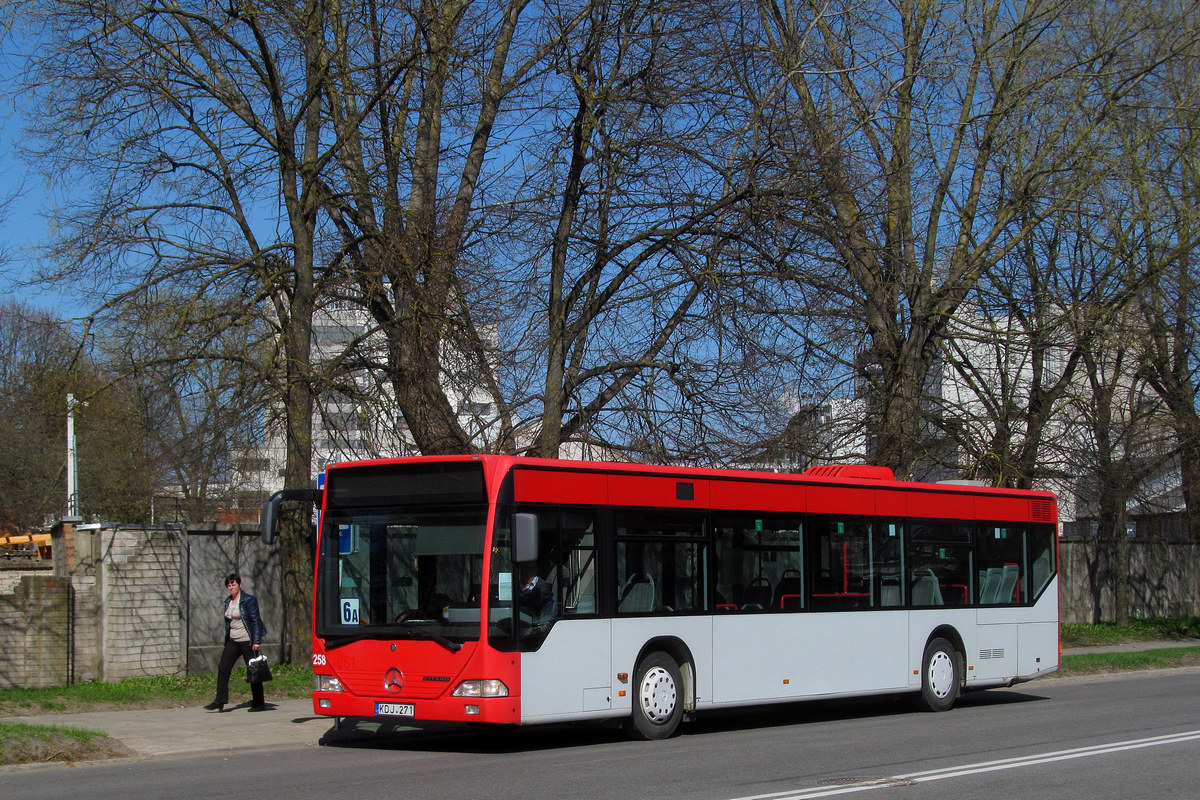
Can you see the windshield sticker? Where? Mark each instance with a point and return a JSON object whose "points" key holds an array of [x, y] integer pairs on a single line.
{"points": [[350, 612]]}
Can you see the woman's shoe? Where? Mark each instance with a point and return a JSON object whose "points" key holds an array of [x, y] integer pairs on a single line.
{"points": [[214, 706]]}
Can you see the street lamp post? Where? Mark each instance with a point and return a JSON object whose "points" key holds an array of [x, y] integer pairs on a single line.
{"points": [[72, 459]]}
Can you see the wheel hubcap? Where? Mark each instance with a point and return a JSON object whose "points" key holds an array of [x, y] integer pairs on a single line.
{"points": [[658, 695], [941, 674]]}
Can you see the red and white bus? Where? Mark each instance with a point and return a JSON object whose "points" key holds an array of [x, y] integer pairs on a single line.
{"points": [[499, 590]]}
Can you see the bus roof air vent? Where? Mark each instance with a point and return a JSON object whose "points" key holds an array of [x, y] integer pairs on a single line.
{"points": [[862, 471], [1043, 511]]}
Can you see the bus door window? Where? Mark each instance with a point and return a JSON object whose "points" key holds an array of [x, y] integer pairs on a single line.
{"points": [[565, 573], [940, 563], [501, 591], [661, 562], [728, 565], [518, 616], [840, 556], [579, 562], [999, 564], [888, 552]]}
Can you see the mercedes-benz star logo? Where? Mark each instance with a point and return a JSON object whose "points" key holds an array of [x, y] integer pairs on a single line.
{"points": [[393, 680]]}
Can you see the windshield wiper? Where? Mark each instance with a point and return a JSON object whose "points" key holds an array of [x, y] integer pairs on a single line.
{"points": [[453, 647], [342, 641]]}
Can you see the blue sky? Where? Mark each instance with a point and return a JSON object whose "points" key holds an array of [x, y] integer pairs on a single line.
{"points": [[22, 227], [28, 199]]}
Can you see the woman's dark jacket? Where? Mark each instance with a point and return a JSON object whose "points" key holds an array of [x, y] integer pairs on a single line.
{"points": [[248, 604]]}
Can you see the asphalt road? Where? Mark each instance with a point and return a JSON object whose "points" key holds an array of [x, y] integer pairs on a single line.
{"points": [[1134, 736]]}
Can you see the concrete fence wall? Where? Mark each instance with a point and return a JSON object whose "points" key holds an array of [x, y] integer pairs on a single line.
{"points": [[1164, 580], [130, 601], [35, 625], [141, 605], [210, 555]]}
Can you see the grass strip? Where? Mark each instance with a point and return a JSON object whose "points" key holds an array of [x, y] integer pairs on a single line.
{"points": [[1138, 630], [13, 730], [1159, 658], [290, 682]]}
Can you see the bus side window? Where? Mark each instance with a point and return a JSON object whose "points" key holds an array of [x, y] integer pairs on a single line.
{"points": [[661, 562], [1040, 546], [938, 557], [999, 565], [759, 563]]}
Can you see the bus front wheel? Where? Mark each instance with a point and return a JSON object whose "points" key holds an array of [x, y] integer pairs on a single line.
{"points": [[941, 676], [657, 697]]}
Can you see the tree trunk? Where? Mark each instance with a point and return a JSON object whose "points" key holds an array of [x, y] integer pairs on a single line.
{"points": [[1113, 547], [300, 181], [1189, 459]]}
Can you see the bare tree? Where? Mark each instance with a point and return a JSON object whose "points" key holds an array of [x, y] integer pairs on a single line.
{"points": [[1013, 353], [196, 129], [203, 411], [551, 237], [937, 136], [1124, 445], [406, 141], [1161, 148], [653, 187]]}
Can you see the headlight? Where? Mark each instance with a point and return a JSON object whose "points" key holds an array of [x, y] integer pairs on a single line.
{"points": [[328, 683], [484, 688]]}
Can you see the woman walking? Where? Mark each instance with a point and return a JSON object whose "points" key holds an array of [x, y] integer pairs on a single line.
{"points": [[244, 632]]}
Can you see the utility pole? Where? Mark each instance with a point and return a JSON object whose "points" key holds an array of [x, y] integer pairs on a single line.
{"points": [[72, 459]]}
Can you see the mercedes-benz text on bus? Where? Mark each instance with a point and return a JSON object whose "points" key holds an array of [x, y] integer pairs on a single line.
{"points": [[498, 590]]}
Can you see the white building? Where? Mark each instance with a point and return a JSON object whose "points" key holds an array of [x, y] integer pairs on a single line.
{"points": [[356, 416]]}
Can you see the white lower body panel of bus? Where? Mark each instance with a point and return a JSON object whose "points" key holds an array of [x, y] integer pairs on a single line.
{"points": [[770, 658]]}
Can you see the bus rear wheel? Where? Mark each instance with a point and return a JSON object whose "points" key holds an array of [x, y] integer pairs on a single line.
{"points": [[657, 697], [941, 676]]}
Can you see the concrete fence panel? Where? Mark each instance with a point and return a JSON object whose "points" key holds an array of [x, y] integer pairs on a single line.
{"points": [[35, 626], [1164, 580]]}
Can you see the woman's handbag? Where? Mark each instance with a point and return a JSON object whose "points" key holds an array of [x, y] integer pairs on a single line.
{"points": [[258, 670]]}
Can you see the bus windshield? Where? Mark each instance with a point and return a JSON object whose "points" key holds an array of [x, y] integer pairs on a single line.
{"points": [[401, 573]]}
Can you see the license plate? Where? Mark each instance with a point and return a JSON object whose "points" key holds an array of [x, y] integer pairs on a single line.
{"points": [[395, 710]]}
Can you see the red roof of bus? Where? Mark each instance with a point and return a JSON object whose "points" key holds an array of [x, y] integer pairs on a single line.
{"points": [[846, 489]]}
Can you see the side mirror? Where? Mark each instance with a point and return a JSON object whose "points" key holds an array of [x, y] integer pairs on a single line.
{"points": [[270, 512], [525, 537]]}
